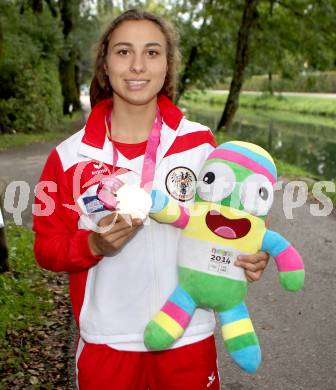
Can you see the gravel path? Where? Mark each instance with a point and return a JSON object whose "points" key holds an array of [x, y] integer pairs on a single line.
{"points": [[296, 330]]}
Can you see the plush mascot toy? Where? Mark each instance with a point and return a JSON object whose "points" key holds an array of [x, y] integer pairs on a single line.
{"points": [[234, 194]]}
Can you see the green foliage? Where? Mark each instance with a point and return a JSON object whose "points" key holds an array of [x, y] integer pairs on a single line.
{"points": [[30, 97], [211, 34], [36, 102], [294, 36], [311, 82], [24, 299], [299, 104], [288, 170]]}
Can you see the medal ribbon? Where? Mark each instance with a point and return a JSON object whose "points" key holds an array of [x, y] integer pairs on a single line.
{"points": [[148, 168]]}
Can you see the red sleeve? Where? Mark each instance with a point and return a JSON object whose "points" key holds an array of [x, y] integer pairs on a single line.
{"points": [[59, 244]]}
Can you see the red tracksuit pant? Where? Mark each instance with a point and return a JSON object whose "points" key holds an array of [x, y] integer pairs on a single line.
{"points": [[191, 367]]}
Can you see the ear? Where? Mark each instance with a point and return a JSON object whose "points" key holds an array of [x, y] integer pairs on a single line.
{"points": [[105, 68]]}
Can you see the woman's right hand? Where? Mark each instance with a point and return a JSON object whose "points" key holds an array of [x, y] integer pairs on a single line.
{"points": [[116, 231]]}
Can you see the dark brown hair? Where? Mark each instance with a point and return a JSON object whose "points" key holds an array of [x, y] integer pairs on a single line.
{"points": [[100, 87]]}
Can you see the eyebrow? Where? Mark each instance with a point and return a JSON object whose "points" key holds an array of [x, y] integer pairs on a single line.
{"points": [[130, 44]]}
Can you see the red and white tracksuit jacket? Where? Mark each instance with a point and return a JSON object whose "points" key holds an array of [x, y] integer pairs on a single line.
{"points": [[114, 297]]}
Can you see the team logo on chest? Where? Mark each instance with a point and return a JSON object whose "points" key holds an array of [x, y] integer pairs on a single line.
{"points": [[181, 183]]}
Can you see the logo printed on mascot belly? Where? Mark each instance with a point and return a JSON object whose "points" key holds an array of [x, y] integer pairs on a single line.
{"points": [[181, 183], [225, 227]]}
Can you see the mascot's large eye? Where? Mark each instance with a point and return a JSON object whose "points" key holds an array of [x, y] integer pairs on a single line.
{"points": [[256, 194], [215, 182], [209, 178]]}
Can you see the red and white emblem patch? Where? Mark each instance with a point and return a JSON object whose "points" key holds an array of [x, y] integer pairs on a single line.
{"points": [[181, 183]]}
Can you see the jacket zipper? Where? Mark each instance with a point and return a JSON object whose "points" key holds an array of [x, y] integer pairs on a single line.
{"points": [[155, 283]]}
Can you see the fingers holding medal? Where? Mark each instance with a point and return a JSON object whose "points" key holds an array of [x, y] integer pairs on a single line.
{"points": [[130, 206], [116, 230]]}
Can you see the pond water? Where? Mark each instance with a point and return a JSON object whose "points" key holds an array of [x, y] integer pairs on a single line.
{"points": [[300, 141]]}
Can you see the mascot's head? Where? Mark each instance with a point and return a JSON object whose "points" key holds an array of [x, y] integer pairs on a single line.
{"points": [[238, 177]]}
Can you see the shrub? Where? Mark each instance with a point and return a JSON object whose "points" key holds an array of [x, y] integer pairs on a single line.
{"points": [[30, 94], [323, 82]]}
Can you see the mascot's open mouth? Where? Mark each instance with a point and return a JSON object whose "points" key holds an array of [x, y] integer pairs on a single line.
{"points": [[225, 227]]}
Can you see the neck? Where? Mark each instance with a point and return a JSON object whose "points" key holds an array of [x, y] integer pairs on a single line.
{"points": [[132, 123]]}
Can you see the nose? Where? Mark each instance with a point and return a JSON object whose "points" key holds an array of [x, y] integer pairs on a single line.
{"points": [[137, 64]]}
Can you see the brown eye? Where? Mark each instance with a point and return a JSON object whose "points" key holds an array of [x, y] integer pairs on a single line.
{"points": [[123, 52], [152, 53]]}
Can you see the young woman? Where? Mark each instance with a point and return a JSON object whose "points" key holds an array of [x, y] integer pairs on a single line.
{"points": [[121, 276]]}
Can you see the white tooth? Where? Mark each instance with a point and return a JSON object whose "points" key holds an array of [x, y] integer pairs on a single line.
{"points": [[137, 82]]}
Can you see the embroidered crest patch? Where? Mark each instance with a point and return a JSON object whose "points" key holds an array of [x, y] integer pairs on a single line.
{"points": [[181, 183]]}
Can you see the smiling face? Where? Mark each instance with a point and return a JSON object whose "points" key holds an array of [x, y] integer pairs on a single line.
{"points": [[136, 62], [236, 185]]}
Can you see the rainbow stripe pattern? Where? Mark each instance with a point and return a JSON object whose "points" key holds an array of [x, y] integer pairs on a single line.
{"points": [[167, 211], [288, 260], [171, 321], [240, 338], [248, 155]]}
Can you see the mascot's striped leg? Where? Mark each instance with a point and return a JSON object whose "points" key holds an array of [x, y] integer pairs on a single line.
{"points": [[171, 321], [239, 337], [288, 260]]}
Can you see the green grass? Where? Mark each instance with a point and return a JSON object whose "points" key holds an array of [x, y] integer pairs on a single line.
{"points": [[289, 118], [9, 141], [289, 171], [325, 107], [306, 125], [24, 295], [332, 195], [323, 82]]}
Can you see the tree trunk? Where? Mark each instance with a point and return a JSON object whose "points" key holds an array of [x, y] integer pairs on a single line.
{"points": [[1, 41], [67, 67], [70, 90], [182, 86], [52, 7], [37, 6], [2, 130], [4, 266], [270, 83], [250, 15], [185, 76]]}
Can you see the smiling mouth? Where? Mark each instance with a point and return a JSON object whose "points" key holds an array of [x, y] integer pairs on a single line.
{"points": [[136, 85], [137, 82], [231, 229]]}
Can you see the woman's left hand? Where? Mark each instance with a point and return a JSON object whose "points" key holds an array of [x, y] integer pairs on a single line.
{"points": [[254, 265]]}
